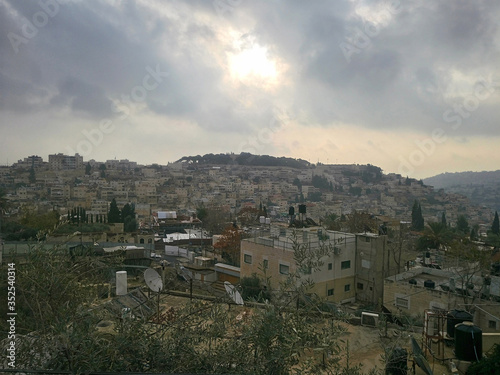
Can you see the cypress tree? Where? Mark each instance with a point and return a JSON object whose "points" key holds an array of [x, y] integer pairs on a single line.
{"points": [[495, 227]]}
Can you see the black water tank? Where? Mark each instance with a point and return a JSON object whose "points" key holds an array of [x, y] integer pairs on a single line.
{"points": [[291, 211], [455, 317], [429, 284], [468, 342], [412, 281]]}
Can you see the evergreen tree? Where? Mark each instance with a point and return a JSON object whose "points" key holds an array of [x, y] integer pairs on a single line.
{"points": [[114, 212], [462, 225], [88, 168], [128, 218], [495, 227], [32, 177], [443, 219], [417, 220]]}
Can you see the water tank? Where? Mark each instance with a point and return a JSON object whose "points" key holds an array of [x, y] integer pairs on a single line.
{"points": [[121, 283], [429, 284], [412, 281], [291, 211], [455, 317], [302, 208], [468, 342]]}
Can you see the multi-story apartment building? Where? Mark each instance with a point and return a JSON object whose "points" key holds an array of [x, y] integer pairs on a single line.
{"points": [[353, 269], [61, 161]]}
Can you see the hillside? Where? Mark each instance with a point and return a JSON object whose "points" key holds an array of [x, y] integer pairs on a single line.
{"points": [[482, 188], [246, 159]]}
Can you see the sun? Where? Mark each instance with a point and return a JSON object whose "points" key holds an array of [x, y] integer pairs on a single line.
{"points": [[252, 65]]}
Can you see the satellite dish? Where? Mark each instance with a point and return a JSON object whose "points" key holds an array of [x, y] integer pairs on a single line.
{"points": [[233, 293], [419, 357], [153, 280]]}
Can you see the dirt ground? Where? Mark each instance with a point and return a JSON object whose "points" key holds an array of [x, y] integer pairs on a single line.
{"points": [[365, 344]]}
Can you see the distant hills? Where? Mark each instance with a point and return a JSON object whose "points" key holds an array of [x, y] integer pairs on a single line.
{"points": [[482, 188], [246, 158]]}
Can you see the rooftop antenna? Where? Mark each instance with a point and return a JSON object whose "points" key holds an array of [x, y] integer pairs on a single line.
{"points": [[233, 293], [155, 283]]}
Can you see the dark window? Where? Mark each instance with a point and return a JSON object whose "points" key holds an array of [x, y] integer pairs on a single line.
{"points": [[330, 266], [347, 287], [345, 264], [247, 259], [284, 269], [330, 292], [265, 264], [360, 286]]}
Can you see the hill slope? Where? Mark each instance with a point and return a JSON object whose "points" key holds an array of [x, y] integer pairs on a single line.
{"points": [[482, 188]]}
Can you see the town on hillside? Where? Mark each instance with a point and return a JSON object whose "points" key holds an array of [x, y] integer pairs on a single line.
{"points": [[277, 242]]}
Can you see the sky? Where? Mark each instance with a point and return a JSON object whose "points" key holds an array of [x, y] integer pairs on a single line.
{"points": [[411, 86]]}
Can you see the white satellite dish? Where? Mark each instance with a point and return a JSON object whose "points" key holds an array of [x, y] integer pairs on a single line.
{"points": [[153, 280], [233, 293]]}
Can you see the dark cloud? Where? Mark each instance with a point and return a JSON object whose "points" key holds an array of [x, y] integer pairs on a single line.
{"points": [[409, 67]]}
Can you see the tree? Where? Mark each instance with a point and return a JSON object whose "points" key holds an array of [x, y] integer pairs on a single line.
{"points": [[436, 235], [88, 169], [417, 220], [443, 219], [331, 222], [32, 176], [128, 218], [60, 314], [114, 215], [470, 262], [486, 365], [248, 215], [229, 244], [495, 227], [359, 222], [462, 226]]}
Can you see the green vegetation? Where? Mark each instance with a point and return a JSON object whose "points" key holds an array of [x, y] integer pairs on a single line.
{"points": [[61, 318]]}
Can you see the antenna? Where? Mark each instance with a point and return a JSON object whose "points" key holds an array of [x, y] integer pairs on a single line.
{"points": [[153, 280], [233, 293]]}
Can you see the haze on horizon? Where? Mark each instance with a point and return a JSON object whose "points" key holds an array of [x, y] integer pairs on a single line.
{"points": [[410, 86]]}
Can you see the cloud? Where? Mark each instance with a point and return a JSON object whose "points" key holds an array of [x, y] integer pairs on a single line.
{"points": [[230, 70]]}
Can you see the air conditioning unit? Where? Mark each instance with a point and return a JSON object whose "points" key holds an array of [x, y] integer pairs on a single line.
{"points": [[369, 319]]}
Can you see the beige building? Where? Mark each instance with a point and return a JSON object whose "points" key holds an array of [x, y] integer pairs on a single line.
{"points": [[354, 269]]}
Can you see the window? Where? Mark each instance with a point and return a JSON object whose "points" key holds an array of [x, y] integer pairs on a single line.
{"points": [[360, 286], [330, 266], [492, 324], [367, 239], [141, 240], [284, 269], [306, 270], [347, 287], [265, 264], [345, 264], [402, 302], [330, 292], [247, 258]]}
